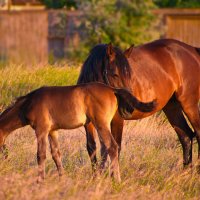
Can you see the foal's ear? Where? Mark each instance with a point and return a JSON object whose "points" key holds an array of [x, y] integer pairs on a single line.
{"points": [[110, 52], [128, 51]]}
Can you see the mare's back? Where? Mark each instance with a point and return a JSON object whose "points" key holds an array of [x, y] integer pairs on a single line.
{"points": [[164, 57]]}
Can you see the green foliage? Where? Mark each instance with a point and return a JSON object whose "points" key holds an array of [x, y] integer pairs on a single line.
{"points": [[59, 4], [177, 3], [122, 22]]}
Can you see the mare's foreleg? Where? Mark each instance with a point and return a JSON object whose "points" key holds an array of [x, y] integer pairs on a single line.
{"points": [[55, 151]]}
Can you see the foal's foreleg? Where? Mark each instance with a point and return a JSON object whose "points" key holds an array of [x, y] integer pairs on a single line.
{"points": [[55, 151], [41, 152], [173, 111]]}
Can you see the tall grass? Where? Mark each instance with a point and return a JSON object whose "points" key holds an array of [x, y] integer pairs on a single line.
{"points": [[150, 161], [18, 80]]}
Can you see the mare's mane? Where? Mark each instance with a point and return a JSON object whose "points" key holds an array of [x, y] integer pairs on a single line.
{"points": [[97, 61]]}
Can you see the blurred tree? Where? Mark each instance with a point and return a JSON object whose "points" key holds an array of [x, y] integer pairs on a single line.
{"points": [[122, 22]]}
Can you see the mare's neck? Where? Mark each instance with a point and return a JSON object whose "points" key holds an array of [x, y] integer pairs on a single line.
{"points": [[140, 85]]}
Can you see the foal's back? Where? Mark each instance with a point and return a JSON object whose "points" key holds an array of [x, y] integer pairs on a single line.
{"points": [[71, 106]]}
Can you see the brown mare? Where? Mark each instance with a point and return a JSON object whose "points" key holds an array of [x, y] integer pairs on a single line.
{"points": [[50, 108], [166, 70]]}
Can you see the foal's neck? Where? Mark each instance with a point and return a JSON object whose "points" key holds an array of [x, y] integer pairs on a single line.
{"points": [[10, 121]]}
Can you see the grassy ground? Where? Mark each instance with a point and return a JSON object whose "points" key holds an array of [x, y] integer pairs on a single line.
{"points": [[150, 162]]}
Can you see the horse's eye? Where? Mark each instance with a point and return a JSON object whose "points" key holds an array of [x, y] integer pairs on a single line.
{"points": [[115, 75]]}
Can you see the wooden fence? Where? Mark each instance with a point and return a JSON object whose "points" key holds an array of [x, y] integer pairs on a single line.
{"points": [[34, 36], [23, 36], [182, 24]]}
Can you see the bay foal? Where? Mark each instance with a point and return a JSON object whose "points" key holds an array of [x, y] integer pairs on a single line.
{"points": [[51, 108]]}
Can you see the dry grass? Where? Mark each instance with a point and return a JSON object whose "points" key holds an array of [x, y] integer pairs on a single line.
{"points": [[150, 162]]}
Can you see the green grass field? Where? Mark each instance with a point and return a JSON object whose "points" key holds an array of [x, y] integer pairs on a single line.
{"points": [[150, 162]]}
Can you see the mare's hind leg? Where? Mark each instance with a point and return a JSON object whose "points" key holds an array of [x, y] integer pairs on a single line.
{"points": [[91, 144], [112, 149], [176, 118], [191, 109], [55, 151], [42, 135]]}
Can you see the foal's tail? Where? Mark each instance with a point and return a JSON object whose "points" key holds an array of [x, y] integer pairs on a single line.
{"points": [[127, 103]]}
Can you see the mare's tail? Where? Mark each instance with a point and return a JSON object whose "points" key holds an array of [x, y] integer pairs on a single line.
{"points": [[127, 103], [198, 50]]}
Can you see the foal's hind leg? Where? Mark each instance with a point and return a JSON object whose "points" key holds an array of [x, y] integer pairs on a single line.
{"points": [[55, 151], [116, 129], [176, 118], [91, 144], [112, 148], [117, 125]]}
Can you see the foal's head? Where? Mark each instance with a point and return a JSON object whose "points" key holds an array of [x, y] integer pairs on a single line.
{"points": [[106, 64]]}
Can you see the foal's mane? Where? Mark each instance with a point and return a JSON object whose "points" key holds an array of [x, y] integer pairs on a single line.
{"points": [[97, 61]]}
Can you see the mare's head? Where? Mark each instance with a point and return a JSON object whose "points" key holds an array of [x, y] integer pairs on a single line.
{"points": [[106, 64]]}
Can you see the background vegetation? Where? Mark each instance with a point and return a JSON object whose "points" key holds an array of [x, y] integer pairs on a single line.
{"points": [[124, 22]]}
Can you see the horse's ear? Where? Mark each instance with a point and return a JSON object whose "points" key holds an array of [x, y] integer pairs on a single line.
{"points": [[110, 52], [128, 51]]}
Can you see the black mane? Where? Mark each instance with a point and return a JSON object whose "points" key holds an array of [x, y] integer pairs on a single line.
{"points": [[93, 67]]}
